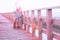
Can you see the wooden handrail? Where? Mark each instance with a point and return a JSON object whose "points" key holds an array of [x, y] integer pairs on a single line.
{"points": [[49, 22]]}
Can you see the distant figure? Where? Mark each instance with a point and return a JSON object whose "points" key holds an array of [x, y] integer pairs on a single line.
{"points": [[33, 25], [20, 19], [16, 20]]}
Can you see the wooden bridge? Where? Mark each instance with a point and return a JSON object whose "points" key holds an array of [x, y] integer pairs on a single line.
{"points": [[10, 28]]}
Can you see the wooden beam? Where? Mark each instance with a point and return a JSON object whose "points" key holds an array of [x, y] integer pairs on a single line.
{"points": [[49, 24], [39, 24]]}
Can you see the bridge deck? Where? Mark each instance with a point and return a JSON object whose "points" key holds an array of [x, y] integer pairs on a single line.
{"points": [[8, 33]]}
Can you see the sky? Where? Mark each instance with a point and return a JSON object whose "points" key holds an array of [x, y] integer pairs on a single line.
{"points": [[7, 5], [36, 4], [11, 5]]}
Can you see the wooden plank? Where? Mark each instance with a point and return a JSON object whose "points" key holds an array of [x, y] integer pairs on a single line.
{"points": [[49, 24]]}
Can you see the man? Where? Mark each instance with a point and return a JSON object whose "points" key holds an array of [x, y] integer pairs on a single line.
{"points": [[20, 19], [34, 26], [16, 20]]}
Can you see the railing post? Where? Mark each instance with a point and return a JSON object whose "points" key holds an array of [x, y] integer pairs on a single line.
{"points": [[49, 24], [33, 30], [29, 23], [27, 20], [24, 20], [32, 15], [39, 25]]}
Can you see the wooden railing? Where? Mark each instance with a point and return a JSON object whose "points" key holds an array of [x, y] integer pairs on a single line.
{"points": [[10, 16], [47, 23]]}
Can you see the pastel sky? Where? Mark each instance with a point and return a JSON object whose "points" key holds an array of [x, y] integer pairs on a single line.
{"points": [[10, 5]]}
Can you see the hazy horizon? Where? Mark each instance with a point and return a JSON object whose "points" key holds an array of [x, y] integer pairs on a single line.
{"points": [[11, 5]]}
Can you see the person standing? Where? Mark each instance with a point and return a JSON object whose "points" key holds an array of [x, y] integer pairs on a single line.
{"points": [[16, 22]]}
